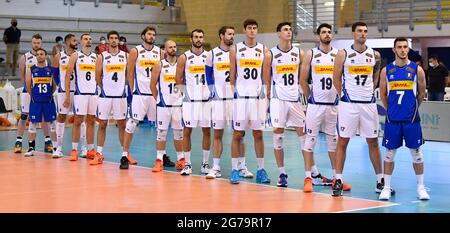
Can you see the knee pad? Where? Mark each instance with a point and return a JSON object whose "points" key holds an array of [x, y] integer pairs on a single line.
{"points": [[310, 143], [131, 125], [161, 135], [416, 155], [390, 155], [52, 126], [177, 134], [332, 143], [32, 128], [23, 116], [302, 141], [278, 141]]}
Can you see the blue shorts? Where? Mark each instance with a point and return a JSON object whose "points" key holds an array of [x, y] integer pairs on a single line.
{"points": [[39, 109], [394, 133]]}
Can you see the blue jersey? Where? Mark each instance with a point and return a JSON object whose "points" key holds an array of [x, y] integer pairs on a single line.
{"points": [[402, 93], [41, 84]]}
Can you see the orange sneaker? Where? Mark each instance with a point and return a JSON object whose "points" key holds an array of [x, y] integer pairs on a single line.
{"points": [[308, 185], [180, 164], [73, 155], [98, 159], [131, 160], [345, 186], [158, 166], [91, 154]]}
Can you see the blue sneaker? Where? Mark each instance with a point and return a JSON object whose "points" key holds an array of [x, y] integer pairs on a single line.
{"points": [[282, 180], [261, 176], [234, 178]]}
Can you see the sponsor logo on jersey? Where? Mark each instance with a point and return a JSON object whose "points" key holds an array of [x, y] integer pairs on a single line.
{"points": [[147, 63], [169, 78], [356, 70], [196, 69], [115, 68], [86, 67], [42, 80], [286, 69], [64, 67], [223, 66], [401, 85], [323, 69], [250, 63]]}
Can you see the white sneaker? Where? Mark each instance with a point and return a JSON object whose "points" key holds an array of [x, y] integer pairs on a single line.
{"points": [[205, 169], [244, 172], [422, 192], [385, 194], [213, 173], [29, 153], [187, 170], [57, 154], [83, 152]]}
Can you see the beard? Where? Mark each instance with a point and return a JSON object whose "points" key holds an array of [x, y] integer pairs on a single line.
{"points": [[172, 54], [150, 42], [197, 45], [228, 42], [73, 46]]}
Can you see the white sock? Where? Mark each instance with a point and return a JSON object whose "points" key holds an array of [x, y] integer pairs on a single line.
{"points": [[90, 146], [164, 152], [234, 163], [282, 171], [260, 163], [124, 154], [241, 162], [420, 179], [159, 154], [334, 173], [338, 176], [187, 157], [205, 156], [314, 170], [216, 163], [379, 176], [59, 134], [387, 181], [99, 149], [308, 174], [74, 145], [180, 155], [83, 134]]}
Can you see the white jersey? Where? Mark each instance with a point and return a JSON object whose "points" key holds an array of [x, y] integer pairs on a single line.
{"points": [[219, 60], [63, 61], [85, 83], [358, 76], [323, 91], [145, 61], [195, 77], [30, 60], [285, 67], [249, 61], [113, 74], [168, 96]]}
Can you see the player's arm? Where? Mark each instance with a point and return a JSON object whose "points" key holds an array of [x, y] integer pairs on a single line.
{"points": [[304, 74], [22, 68], [376, 69], [131, 63], [233, 72], [180, 73], [383, 88], [337, 71], [70, 67], [54, 85], [55, 68], [155, 78], [267, 63], [28, 81], [421, 84], [98, 70]]}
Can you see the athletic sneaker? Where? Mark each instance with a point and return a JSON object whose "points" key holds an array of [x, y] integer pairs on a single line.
{"points": [[422, 192], [204, 169], [380, 187], [321, 180], [180, 164], [158, 167], [98, 159], [261, 176], [337, 187], [234, 177], [73, 155], [57, 154], [131, 160], [308, 185], [29, 153], [245, 173], [282, 180], [48, 148], [385, 194], [91, 154], [167, 162], [124, 163], [187, 170], [18, 147], [214, 173], [84, 152]]}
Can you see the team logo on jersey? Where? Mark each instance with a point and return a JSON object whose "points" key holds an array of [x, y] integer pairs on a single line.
{"points": [[401, 85], [242, 49], [192, 62], [279, 61], [250, 63], [410, 69], [323, 69], [358, 70], [351, 55], [294, 54], [286, 69], [196, 69], [218, 54], [391, 76], [317, 55], [223, 66], [342, 129], [258, 50], [352, 61], [242, 55], [318, 61], [278, 55], [219, 59], [369, 55], [115, 68]]}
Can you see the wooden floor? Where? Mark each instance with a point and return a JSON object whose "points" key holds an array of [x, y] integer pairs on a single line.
{"points": [[45, 185]]}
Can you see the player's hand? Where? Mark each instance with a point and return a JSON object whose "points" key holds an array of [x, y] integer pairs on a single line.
{"points": [[66, 103]]}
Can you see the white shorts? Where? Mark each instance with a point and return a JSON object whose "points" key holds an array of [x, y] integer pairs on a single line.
{"points": [[25, 102], [60, 103], [143, 105], [169, 115], [286, 114], [197, 114], [321, 117], [118, 106], [222, 113], [85, 105], [354, 116], [249, 114]]}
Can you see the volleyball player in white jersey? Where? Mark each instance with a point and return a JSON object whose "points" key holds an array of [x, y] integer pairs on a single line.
{"points": [[249, 103], [59, 64], [191, 77], [110, 75], [82, 66], [355, 76], [25, 62], [141, 60], [321, 113], [169, 101], [281, 76]]}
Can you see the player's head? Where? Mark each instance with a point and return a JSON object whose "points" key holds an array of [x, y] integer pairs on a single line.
{"points": [[401, 48], [250, 28], [113, 39], [148, 35], [226, 34], [41, 55], [284, 31], [324, 33], [171, 48], [359, 31], [36, 41], [71, 41], [197, 38], [86, 40]]}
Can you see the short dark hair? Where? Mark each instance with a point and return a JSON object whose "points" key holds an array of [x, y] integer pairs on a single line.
{"points": [[223, 29], [197, 30], [250, 22], [280, 25], [356, 24], [41, 49], [84, 34], [123, 38], [58, 38], [112, 33], [37, 36], [433, 56], [68, 36], [146, 29], [323, 25], [399, 39]]}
